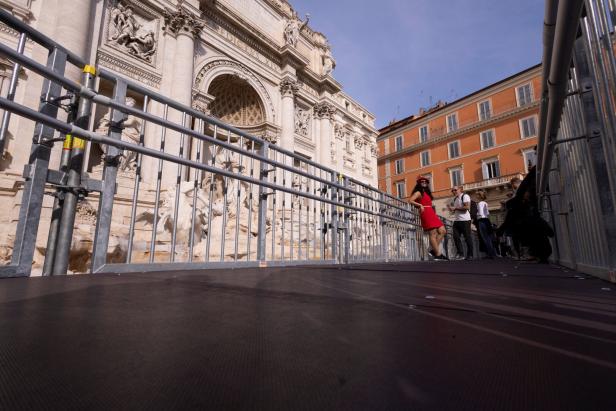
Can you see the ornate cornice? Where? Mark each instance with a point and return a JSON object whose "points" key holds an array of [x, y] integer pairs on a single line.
{"points": [[289, 87], [22, 12], [181, 21], [122, 66], [227, 24], [201, 101]]}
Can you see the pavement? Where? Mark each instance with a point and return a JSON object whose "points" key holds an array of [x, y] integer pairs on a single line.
{"points": [[479, 335]]}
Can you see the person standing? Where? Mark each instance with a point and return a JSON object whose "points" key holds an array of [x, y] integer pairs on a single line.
{"points": [[484, 225], [460, 207], [421, 197]]}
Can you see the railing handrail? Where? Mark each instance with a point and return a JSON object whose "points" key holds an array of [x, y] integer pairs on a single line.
{"points": [[555, 86], [104, 100]]}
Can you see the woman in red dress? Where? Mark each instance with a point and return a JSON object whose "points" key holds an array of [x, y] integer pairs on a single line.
{"points": [[421, 197]]}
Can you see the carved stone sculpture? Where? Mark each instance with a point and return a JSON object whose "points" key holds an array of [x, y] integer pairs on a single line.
{"points": [[288, 87], [329, 64], [181, 21], [130, 133], [302, 121], [324, 110], [130, 34], [293, 28]]}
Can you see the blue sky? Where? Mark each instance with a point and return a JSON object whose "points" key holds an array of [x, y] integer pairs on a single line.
{"points": [[395, 56]]}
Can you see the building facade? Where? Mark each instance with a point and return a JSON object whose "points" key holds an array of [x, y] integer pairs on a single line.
{"points": [[482, 141], [255, 64]]}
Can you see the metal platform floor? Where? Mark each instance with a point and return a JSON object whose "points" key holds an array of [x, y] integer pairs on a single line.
{"points": [[457, 335]]}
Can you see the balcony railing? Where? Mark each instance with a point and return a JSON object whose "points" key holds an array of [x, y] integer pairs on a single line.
{"points": [[492, 182]]}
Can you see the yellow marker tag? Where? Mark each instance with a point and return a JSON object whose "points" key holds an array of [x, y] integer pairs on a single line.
{"points": [[79, 144], [89, 69], [68, 142]]}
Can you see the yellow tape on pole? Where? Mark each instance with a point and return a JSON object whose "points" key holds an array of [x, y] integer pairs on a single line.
{"points": [[68, 142], [79, 144], [89, 69]]}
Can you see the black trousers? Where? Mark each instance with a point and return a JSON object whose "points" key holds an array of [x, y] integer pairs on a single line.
{"points": [[463, 228]]}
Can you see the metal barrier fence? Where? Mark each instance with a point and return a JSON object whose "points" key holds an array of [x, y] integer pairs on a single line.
{"points": [[577, 148], [158, 185]]}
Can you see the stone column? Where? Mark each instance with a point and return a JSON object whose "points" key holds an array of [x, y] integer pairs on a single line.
{"points": [[181, 29], [288, 89], [201, 102], [325, 112]]}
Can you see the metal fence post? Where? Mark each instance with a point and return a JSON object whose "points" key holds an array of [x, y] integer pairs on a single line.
{"points": [[334, 216], [347, 222], [11, 94], [71, 195], [56, 211], [262, 216], [36, 177], [110, 173], [382, 222]]}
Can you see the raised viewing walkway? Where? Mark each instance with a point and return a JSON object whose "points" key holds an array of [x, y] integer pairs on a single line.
{"points": [[457, 335]]}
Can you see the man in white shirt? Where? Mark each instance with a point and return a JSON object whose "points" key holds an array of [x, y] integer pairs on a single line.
{"points": [[460, 207]]}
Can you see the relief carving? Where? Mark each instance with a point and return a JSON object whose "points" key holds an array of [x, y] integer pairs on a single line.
{"points": [[131, 35], [302, 121]]}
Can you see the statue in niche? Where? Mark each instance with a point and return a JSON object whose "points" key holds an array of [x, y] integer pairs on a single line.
{"points": [[302, 120], [329, 64], [292, 29], [130, 34], [131, 133]]}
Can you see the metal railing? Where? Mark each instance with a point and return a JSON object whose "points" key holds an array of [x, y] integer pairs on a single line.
{"points": [[577, 143], [157, 185]]}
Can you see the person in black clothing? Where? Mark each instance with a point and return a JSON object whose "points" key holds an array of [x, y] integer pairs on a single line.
{"points": [[524, 221]]}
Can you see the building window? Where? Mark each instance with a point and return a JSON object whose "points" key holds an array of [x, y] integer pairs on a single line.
{"points": [[399, 166], [425, 158], [528, 127], [491, 169], [485, 111], [423, 134], [347, 144], [399, 143], [487, 139], [530, 158], [401, 189], [456, 176], [524, 95], [454, 149], [452, 122]]}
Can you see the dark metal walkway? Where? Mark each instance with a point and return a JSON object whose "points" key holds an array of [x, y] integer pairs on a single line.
{"points": [[480, 335]]}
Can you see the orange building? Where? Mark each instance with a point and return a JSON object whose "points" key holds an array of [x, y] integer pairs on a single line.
{"points": [[481, 141]]}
